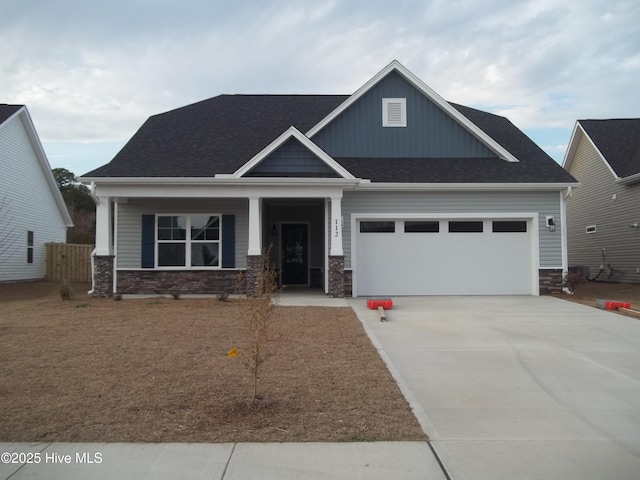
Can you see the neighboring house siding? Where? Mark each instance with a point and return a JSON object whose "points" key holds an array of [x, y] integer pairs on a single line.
{"points": [[129, 231], [544, 203], [430, 132], [29, 205], [593, 204]]}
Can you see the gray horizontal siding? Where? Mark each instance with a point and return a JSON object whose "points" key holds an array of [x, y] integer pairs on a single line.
{"points": [[29, 205], [593, 204], [544, 203], [129, 232], [430, 132]]}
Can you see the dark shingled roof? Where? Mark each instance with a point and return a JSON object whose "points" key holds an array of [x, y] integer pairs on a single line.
{"points": [[221, 134], [218, 135], [7, 110], [619, 141]]}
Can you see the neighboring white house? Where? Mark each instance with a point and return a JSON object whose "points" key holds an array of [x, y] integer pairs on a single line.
{"points": [[32, 211]]}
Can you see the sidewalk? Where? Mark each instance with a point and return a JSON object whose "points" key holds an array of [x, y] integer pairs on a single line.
{"points": [[228, 461]]}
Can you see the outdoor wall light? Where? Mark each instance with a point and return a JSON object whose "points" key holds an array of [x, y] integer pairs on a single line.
{"points": [[551, 224], [274, 230], [635, 225]]}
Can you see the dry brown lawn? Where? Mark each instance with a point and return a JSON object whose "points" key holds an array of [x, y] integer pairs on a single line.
{"points": [[156, 370]]}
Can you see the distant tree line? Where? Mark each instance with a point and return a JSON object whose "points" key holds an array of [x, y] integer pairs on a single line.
{"points": [[82, 209]]}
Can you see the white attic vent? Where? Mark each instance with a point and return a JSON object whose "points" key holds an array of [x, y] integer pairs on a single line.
{"points": [[394, 112]]}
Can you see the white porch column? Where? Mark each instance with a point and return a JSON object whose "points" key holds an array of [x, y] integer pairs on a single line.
{"points": [[104, 239], [255, 224], [336, 227]]}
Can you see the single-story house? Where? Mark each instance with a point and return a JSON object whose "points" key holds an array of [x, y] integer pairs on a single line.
{"points": [[32, 210], [389, 191], [603, 215]]}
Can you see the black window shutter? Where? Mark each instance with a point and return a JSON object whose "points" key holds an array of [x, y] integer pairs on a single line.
{"points": [[228, 241], [148, 241]]}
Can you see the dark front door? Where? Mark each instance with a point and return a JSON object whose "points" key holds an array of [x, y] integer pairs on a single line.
{"points": [[294, 254]]}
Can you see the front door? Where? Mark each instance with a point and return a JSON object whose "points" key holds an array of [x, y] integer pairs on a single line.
{"points": [[294, 254]]}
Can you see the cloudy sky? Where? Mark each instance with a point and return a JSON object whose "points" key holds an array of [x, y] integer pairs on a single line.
{"points": [[90, 73]]}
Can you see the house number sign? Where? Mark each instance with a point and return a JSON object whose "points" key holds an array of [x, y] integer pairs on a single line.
{"points": [[337, 234]]}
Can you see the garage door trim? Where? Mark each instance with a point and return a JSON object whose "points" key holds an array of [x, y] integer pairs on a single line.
{"points": [[532, 219]]}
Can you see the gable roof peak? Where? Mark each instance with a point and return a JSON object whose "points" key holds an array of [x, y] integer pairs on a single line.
{"points": [[617, 141], [396, 66], [291, 132]]}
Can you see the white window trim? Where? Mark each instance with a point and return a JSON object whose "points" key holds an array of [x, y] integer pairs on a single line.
{"points": [[187, 242], [385, 112], [589, 232]]}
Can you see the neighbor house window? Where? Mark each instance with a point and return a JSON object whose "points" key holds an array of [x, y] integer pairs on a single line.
{"points": [[29, 246], [377, 227], [394, 112], [590, 229], [188, 240]]}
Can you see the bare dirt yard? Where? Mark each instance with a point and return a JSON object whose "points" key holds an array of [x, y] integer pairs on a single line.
{"points": [[590, 292], [157, 370]]}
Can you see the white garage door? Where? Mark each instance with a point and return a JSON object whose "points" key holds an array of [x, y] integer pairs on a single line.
{"points": [[443, 257]]}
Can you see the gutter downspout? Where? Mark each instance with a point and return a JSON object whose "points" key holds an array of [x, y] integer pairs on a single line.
{"points": [[564, 196], [96, 200]]}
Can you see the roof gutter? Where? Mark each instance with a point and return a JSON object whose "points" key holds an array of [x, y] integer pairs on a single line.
{"points": [[466, 186], [629, 180], [222, 180]]}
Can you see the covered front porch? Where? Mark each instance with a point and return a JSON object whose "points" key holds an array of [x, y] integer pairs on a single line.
{"points": [[303, 238], [299, 225]]}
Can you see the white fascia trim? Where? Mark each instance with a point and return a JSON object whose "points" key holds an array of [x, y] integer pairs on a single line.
{"points": [[429, 93], [218, 180], [44, 165], [573, 145], [465, 186], [291, 132]]}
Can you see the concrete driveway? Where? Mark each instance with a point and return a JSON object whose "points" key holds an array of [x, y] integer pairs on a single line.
{"points": [[517, 387]]}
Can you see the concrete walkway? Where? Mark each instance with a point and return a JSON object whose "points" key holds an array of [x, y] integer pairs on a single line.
{"points": [[517, 387], [242, 461]]}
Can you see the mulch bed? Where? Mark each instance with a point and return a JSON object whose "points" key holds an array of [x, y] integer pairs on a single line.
{"points": [[157, 370]]}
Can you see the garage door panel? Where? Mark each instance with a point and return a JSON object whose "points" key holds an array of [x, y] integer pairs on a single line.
{"points": [[443, 263]]}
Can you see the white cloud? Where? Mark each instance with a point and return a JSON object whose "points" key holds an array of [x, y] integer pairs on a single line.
{"points": [[94, 71]]}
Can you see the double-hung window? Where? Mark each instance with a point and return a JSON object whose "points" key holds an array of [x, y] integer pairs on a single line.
{"points": [[188, 241]]}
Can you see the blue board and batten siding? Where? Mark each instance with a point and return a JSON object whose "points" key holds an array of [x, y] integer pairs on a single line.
{"points": [[292, 159], [544, 203], [430, 132], [132, 215]]}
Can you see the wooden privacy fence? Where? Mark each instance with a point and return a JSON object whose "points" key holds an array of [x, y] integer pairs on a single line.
{"points": [[68, 261]]}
